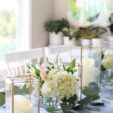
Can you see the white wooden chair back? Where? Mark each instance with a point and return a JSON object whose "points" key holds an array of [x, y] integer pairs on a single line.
{"points": [[62, 53], [18, 62]]}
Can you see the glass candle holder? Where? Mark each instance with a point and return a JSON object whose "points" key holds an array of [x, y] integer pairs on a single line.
{"points": [[22, 95], [107, 73], [107, 45], [91, 62]]}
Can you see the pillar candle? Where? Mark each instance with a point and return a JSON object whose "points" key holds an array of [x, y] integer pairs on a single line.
{"points": [[22, 105], [88, 71]]}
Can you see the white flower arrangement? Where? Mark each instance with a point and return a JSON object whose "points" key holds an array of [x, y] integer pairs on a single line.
{"points": [[60, 84], [107, 61], [60, 87]]}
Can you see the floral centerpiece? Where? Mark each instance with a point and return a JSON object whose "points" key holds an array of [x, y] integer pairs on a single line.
{"points": [[61, 87]]}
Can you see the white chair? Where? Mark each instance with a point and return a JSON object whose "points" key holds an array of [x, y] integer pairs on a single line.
{"points": [[18, 62], [62, 53]]}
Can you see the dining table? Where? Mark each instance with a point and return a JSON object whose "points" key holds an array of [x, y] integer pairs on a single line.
{"points": [[106, 108]]}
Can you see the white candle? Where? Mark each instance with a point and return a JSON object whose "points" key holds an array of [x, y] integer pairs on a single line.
{"points": [[22, 105], [88, 71]]}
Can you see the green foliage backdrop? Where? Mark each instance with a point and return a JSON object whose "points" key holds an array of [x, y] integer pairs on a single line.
{"points": [[7, 32]]}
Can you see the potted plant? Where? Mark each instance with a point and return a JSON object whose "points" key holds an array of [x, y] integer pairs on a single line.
{"points": [[54, 27], [69, 35], [85, 34], [91, 35], [110, 37], [98, 32]]}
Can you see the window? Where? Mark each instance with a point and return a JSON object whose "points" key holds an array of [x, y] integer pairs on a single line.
{"points": [[14, 26]]}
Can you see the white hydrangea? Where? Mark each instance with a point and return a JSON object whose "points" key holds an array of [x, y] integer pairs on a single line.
{"points": [[107, 61], [108, 53], [60, 85]]}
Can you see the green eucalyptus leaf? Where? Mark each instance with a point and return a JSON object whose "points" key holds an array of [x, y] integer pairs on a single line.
{"points": [[88, 91], [88, 99], [97, 103], [17, 90], [23, 90], [85, 101], [95, 97], [2, 99], [95, 86], [91, 89], [91, 92], [26, 90]]}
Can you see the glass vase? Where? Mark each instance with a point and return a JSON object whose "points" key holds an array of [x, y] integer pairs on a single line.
{"points": [[22, 95], [106, 84]]}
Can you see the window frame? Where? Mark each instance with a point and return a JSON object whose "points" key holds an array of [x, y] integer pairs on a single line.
{"points": [[24, 25]]}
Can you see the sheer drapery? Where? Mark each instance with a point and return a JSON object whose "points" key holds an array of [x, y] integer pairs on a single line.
{"points": [[88, 12]]}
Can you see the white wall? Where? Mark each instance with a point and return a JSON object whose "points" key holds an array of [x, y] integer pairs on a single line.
{"points": [[60, 9], [42, 10]]}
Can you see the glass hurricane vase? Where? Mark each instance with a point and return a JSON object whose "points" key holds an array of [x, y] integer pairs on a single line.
{"points": [[22, 94], [50, 104], [107, 84]]}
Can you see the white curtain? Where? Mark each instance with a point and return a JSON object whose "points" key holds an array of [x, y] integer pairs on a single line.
{"points": [[88, 12]]}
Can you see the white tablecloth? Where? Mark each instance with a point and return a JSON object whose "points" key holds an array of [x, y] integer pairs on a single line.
{"points": [[105, 109]]}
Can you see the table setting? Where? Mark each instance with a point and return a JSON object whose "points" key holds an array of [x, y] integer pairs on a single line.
{"points": [[80, 85]]}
